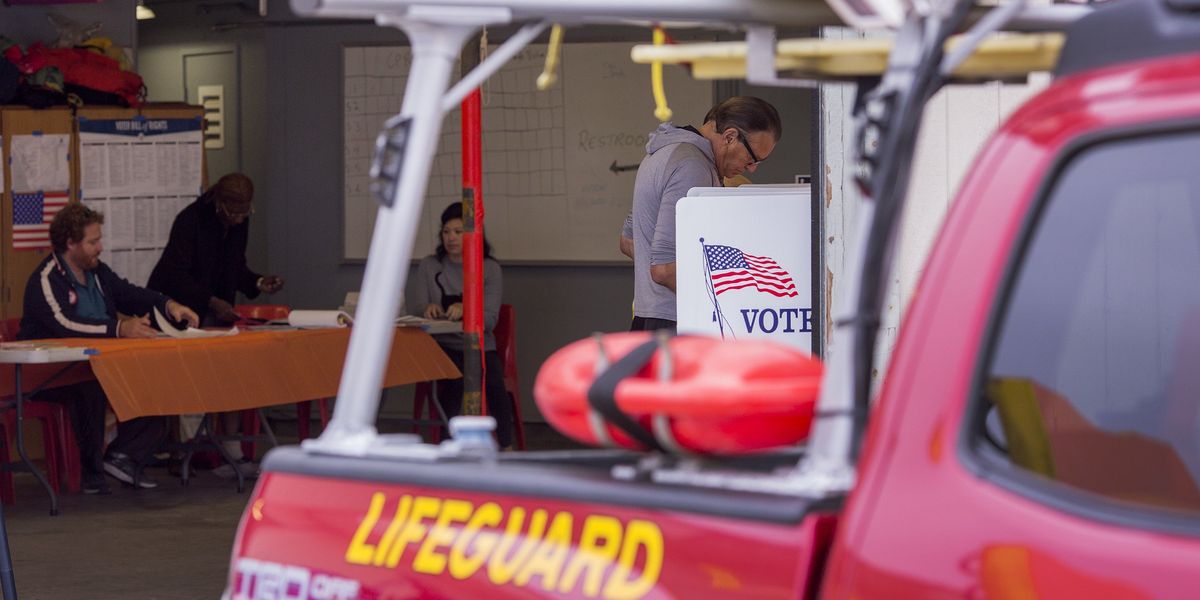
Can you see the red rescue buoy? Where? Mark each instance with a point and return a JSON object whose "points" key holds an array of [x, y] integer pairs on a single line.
{"points": [[701, 395]]}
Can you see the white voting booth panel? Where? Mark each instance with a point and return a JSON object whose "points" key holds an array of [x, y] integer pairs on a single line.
{"points": [[744, 263]]}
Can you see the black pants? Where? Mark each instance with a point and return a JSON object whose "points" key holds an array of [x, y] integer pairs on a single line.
{"points": [[651, 324], [86, 403], [499, 406]]}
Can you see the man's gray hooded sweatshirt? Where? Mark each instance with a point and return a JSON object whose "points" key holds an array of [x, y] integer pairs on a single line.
{"points": [[677, 160]]}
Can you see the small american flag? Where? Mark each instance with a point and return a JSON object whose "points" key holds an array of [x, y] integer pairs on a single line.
{"points": [[732, 269], [32, 213]]}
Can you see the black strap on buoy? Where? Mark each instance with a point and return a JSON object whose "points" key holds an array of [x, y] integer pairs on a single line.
{"points": [[602, 393]]}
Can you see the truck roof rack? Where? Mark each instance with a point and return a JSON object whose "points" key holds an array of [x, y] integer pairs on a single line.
{"points": [[999, 57], [713, 13]]}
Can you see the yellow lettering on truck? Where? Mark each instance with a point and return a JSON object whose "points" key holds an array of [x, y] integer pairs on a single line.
{"points": [[609, 559], [473, 535], [360, 552]]}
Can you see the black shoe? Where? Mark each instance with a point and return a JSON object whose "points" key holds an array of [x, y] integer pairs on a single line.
{"points": [[249, 469], [126, 471], [98, 488]]}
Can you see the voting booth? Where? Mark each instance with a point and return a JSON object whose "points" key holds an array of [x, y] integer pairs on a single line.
{"points": [[744, 264]]}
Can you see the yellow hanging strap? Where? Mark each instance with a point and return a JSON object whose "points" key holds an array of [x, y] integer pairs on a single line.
{"points": [[485, 87], [661, 111], [550, 73]]}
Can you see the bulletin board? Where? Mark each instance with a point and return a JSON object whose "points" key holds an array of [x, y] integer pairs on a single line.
{"points": [[558, 166], [139, 168], [37, 163]]}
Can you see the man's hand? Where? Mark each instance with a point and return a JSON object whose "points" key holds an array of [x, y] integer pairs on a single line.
{"points": [[627, 246], [664, 275], [181, 313], [222, 310], [454, 313], [270, 284], [433, 311], [136, 327]]}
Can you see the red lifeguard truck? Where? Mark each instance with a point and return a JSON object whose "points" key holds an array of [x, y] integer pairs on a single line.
{"points": [[1037, 435]]}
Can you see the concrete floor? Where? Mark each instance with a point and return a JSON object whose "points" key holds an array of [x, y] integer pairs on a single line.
{"points": [[169, 543]]}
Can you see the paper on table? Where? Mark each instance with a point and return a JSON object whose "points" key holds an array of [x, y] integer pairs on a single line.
{"points": [[319, 318], [411, 320], [431, 326], [165, 325]]}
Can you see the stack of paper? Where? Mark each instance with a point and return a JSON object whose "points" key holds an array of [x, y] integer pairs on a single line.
{"points": [[431, 326], [319, 318], [191, 332]]}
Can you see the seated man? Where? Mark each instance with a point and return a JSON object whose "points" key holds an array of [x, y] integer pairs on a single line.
{"points": [[73, 294]]}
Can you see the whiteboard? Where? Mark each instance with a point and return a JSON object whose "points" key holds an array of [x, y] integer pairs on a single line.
{"points": [[549, 191]]}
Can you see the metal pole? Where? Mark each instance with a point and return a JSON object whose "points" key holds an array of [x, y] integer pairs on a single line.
{"points": [[435, 43], [20, 401], [8, 580], [472, 171]]}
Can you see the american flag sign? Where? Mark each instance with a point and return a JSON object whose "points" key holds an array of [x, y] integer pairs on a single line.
{"points": [[732, 269], [32, 213]]}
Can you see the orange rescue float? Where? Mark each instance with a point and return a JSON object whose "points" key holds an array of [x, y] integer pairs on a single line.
{"points": [[679, 394]]}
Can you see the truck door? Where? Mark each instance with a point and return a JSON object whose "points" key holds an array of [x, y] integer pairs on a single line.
{"points": [[1039, 433]]}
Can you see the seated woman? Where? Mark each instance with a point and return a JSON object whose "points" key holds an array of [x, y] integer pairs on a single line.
{"points": [[437, 290]]}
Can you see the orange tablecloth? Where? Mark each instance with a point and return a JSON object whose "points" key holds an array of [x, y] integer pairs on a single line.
{"points": [[250, 370], [34, 375]]}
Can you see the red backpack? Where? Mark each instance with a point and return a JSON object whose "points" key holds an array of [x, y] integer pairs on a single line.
{"points": [[94, 71]]}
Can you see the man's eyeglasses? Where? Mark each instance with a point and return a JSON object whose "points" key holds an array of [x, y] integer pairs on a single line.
{"points": [[234, 215], [754, 159]]}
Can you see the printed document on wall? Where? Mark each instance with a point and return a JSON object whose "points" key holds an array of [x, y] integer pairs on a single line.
{"points": [[140, 172], [39, 162]]}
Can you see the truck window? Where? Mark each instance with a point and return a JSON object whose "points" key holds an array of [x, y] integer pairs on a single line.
{"points": [[1093, 380]]}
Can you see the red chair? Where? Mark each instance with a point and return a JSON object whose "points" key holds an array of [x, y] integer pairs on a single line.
{"points": [[262, 312], [58, 437], [422, 398], [506, 345], [9, 329], [250, 419]]}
